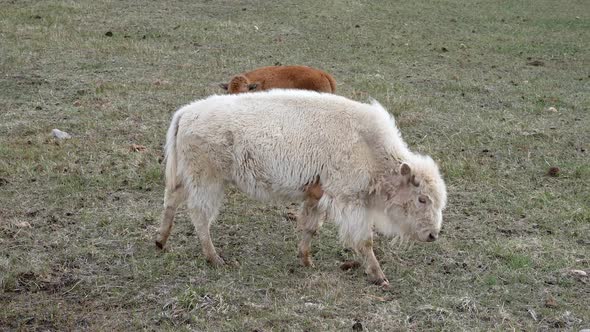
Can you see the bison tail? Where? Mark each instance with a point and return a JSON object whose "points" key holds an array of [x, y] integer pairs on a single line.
{"points": [[171, 157]]}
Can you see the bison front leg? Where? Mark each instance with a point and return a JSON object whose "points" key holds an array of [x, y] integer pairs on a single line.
{"points": [[309, 221], [356, 232], [372, 267]]}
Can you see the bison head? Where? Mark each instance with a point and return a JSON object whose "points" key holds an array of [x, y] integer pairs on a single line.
{"points": [[239, 84], [414, 198]]}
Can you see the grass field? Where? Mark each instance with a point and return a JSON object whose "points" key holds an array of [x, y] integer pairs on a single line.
{"points": [[470, 83]]}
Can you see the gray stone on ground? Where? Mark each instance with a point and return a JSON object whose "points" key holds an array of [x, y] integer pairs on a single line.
{"points": [[60, 134]]}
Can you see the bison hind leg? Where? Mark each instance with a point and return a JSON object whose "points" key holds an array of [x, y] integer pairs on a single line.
{"points": [[172, 198], [204, 202]]}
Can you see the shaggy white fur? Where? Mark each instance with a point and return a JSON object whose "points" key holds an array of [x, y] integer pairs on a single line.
{"points": [[273, 144]]}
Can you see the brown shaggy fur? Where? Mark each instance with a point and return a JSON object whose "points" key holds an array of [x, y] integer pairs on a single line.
{"points": [[283, 77]]}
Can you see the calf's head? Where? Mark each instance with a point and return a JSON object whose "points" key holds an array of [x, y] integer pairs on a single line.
{"points": [[414, 199], [239, 84]]}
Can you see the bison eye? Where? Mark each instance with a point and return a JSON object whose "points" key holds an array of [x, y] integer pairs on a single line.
{"points": [[422, 199]]}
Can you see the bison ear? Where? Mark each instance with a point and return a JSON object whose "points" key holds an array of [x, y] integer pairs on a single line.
{"points": [[415, 182], [252, 86], [224, 86], [405, 170]]}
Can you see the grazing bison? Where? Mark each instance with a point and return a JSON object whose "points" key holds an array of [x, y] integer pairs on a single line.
{"points": [[281, 77], [344, 160]]}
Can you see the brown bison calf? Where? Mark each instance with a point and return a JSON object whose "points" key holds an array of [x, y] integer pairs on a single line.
{"points": [[281, 77]]}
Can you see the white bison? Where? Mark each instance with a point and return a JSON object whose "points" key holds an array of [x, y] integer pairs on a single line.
{"points": [[345, 160]]}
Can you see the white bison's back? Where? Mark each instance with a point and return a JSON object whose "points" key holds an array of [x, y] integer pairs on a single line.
{"points": [[276, 142]]}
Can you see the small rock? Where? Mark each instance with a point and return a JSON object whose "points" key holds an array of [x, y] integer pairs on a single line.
{"points": [[553, 171], [109, 34], [552, 109], [580, 273], [357, 26], [77, 103], [444, 49], [60, 134]]}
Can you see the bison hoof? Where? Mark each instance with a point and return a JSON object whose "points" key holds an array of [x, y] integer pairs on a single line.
{"points": [[306, 261], [159, 244], [381, 282], [216, 261]]}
